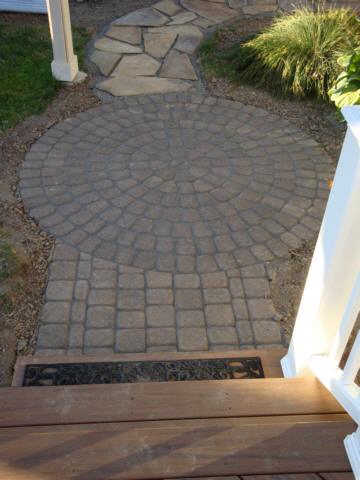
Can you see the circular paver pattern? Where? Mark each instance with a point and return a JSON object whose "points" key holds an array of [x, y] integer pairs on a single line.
{"points": [[176, 183]]}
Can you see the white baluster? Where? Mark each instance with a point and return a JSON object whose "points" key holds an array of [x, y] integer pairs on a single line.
{"points": [[336, 261], [346, 325], [352, 364]]}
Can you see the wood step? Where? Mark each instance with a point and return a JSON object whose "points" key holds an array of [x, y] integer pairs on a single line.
{"points": [[164, 430], [176, 448], [161, 401]]}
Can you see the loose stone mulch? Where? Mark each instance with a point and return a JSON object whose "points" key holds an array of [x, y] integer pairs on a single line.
{"points": [[166, 210]]}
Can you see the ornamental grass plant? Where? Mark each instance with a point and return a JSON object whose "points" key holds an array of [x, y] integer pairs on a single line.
{"points": [[295, 56]]}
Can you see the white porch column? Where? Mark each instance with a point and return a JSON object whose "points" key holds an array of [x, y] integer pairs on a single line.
{"points": [[336, 261], [65, 64]]}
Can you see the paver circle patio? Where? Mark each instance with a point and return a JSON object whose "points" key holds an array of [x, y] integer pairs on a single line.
{"points": [[159, 183], [166, 211]]}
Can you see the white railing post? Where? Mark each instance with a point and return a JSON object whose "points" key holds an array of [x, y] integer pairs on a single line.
{"points": [[65, 64], [336, 260], [352, 446]]}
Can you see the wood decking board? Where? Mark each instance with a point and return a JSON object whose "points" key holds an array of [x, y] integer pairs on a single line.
{"points": [[264, 429], [177, 448], [161, 401]]}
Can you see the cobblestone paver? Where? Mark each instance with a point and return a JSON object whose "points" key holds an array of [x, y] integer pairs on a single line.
{"points": [[166, 211]]}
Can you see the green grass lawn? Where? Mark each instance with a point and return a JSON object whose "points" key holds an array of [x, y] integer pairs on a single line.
{"points": [[26, 82]]}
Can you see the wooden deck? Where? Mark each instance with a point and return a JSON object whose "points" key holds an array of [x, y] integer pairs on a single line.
{"points": [[281, 429]]}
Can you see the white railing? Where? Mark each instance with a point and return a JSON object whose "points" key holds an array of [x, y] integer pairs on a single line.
{"points": [[330, 303]]}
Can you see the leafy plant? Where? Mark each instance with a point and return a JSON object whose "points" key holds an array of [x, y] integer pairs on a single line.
{"points": [[295, 56], [346, 90]]}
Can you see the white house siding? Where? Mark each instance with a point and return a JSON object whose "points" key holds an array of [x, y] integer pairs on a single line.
{"points": [[33, 6]]}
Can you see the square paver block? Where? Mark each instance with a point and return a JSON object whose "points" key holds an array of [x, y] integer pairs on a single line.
{"points": [[219, 315], [56, 312], [160, 316], [78, 310], [76, 336], [53, 336], [240, 309], [190, 318], [159, 296], [192, 339], [161, 336], [99, 337], [186, 299], [158, 280], [223, 335], [216, 295], [130, 319], [214, 280], [266, 331], [244, 332], [100, 317], [64, 252], [59, 290], [81, 289], [257, 287], [261, 308], [236, 287], [185, 280], [131, 300], [103, 279], [130, 280], [102, 297], [130, 340], [62, 270]]}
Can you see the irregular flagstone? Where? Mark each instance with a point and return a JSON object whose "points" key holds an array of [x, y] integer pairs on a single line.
{"points": [[134, 65], [203, 22], [187, 43], [158, 44], [116, 46], [145, 17], [183, 17], [106, 61], [169, 7], [123, 85], [212, 11], [178, 65], [125, 34], [179, 30]]}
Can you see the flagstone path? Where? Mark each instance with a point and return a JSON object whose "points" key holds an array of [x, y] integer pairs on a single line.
{"points": [[149, 50], [166, 210]]}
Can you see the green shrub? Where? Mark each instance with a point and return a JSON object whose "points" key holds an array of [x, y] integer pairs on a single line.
{"points": [[346, 90], [296, 55]]}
